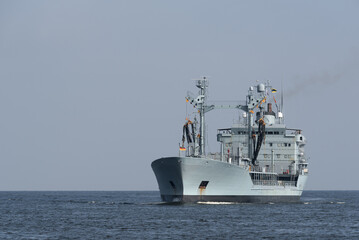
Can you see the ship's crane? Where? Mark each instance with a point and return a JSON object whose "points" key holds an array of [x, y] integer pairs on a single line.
{"points": [[186, 133], [261, 136]]}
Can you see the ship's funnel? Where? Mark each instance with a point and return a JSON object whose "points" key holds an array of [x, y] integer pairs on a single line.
{"points": [[269, 116], [269, 110], [269, 107]]}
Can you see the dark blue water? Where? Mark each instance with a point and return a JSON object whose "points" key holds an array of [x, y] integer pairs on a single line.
{"points": [[139, 215]]}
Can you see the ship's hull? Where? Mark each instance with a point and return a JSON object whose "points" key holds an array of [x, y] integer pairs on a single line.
{"points": [[188, 179]]}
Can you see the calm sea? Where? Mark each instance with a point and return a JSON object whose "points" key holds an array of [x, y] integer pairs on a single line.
{"points": [[140, 215]]}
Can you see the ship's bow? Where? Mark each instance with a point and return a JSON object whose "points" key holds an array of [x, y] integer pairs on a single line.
{"points": [[169, 178]]}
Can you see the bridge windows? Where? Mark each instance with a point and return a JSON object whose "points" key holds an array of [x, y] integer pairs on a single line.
{"points": [[283, 145]]}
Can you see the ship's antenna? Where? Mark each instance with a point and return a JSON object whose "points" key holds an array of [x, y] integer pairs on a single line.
{"points": [[186, 110], [281, 96]]}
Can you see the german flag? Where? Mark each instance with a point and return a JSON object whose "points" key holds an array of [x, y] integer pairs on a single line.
{"points": [[182, 149], [274, 90]]}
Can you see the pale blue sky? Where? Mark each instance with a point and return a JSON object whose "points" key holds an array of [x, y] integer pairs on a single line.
{"points": [[91, 92]]}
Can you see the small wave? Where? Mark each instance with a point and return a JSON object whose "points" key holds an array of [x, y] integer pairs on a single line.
{"points": [[70, 201], [307, 203], [126, 203], [332, 202], [216, 203], [270, 203], [313, 199], [154, 203], [110, 203]]}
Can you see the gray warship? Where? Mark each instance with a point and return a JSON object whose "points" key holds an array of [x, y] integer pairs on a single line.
{"points": [[260, 159]]}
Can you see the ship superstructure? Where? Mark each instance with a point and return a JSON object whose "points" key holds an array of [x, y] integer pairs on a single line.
{"points": [[260, 160]]}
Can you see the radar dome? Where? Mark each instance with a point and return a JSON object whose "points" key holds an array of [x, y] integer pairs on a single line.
{"points": [[261, 88]]}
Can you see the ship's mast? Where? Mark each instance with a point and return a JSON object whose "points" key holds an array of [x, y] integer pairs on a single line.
{"points": [[250, 122], [202, 84]]}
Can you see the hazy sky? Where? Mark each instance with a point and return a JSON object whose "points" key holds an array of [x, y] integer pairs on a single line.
{"points": [[91, 92]]}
